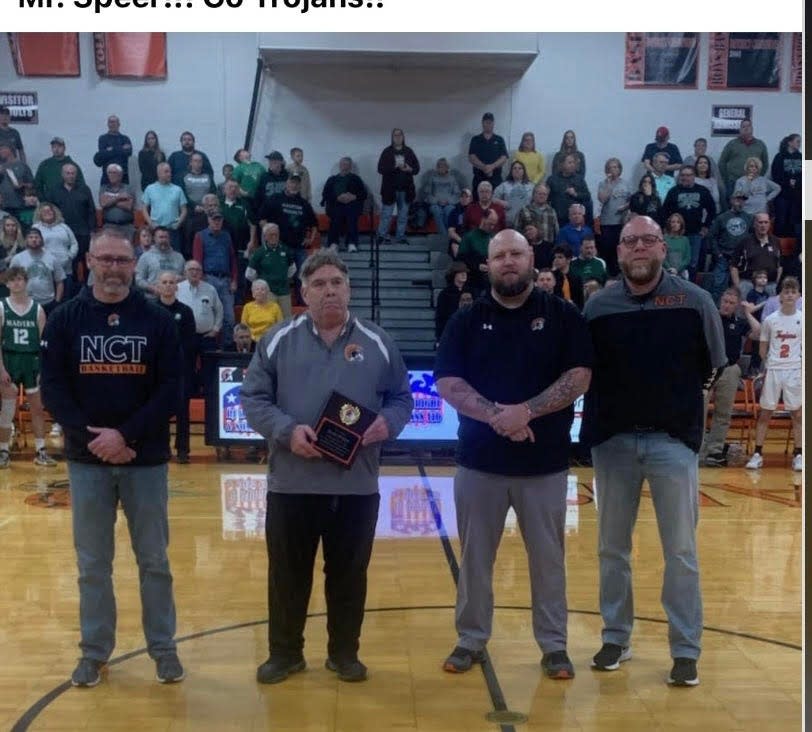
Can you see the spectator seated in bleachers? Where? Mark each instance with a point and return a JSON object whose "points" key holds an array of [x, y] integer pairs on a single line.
{"points": [[456, 222], [441, 192], [514, 193], [161, 257], [588, 265], [567, 187], [646, 201], [678, 248], [343, 199], [448, 299], [60, 241], [243, 343], [484, 204], [474, 249], [262, 312], [542, 250], [575, 230], [567, 284]]}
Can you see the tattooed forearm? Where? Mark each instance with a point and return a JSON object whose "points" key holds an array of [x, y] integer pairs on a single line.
{"points": [[563, 392], [465, 399]]}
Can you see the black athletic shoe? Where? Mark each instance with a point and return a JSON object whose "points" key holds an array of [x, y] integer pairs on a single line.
{"points": [[557, 665], [278, 669], [168, 669], [461, 660], [87, 672], [716, 460], [683, 672], [347, 670], [610, 656]]}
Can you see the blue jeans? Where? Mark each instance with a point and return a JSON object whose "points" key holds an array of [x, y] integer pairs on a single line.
{"points": [[223, 287], [621, 465], [386, 216], [142, 491], [696, 248], [720, 277], [440, 215]]}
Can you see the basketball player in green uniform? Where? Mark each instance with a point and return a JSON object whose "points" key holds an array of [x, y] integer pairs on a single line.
{"points": [[21, 324]]}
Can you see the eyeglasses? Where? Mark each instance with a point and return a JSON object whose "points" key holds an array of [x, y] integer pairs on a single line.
{"points": [[106, 261], [649, 240]]}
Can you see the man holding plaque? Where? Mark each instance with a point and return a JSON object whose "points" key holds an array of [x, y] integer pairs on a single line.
{"points": [[512, 365], [325, 389]]}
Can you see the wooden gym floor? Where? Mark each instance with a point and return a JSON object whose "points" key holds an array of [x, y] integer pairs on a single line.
{"points": [[750, 551]]}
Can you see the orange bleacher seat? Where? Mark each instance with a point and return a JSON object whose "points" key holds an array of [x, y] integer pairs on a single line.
{"points": [[788, 245]]}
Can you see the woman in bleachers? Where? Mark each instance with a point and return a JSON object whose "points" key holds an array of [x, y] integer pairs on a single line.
{"points": [[614, 194], [11, 240], [59, 240], [532, 159], [759, 189], [704, 177], [149, 157], [786, 171], [262, 312], [514, 193], [678, 247], [569, 146], [142, 241], [456, 222], [646, 202]]}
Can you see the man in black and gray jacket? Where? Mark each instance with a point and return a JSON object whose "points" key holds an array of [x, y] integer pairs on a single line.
{"points": [[297, 365]]}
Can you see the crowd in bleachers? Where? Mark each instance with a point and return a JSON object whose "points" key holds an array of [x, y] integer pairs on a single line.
{"points": [[257, 224]]}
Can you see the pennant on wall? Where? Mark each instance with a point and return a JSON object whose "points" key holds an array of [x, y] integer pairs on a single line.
{"points": [[661, 60], [45, 54], [130, 55]]}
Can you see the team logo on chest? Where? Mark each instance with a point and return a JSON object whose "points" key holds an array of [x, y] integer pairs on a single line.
{"points": [[354, 353], [537, 324], [113, 320], [487, 326]]}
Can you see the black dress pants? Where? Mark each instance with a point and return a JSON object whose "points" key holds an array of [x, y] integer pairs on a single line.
{"points": [[294, 525]]}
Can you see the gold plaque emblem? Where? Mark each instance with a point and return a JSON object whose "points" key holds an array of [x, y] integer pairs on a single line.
{"points": [[349, 414]]}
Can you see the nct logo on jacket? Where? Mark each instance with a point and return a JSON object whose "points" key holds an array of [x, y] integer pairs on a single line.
{"points": [[117, 354]]}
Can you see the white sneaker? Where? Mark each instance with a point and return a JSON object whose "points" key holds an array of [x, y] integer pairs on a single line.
{"points": [[352, 248], [334, 247], [798, 463], [755, 462]]}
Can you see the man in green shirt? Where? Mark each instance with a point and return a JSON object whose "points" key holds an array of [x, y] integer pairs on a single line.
{"points": [[588, 266], [49, 172], [474, 250], [273, 263]]}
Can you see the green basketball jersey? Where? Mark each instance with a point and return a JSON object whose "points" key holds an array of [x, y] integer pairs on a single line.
{"points": [[20, 333]]}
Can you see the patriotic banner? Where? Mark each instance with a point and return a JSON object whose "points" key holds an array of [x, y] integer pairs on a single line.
{"points": [[796, 71], [232, 423], [745, 61], [661, 61], [45, 54], [130, 55]]}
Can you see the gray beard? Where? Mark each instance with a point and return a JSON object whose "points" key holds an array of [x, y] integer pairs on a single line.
{"points": [[642, 275]]}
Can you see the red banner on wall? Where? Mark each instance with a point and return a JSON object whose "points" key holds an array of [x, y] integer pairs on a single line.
{"points": [[796, 71], [130, 55], [45, 54]]}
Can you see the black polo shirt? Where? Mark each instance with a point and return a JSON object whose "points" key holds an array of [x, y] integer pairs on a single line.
{"points": [[510, 356], [653, 355], [753, 255], [488, 151], [734, 329]]}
